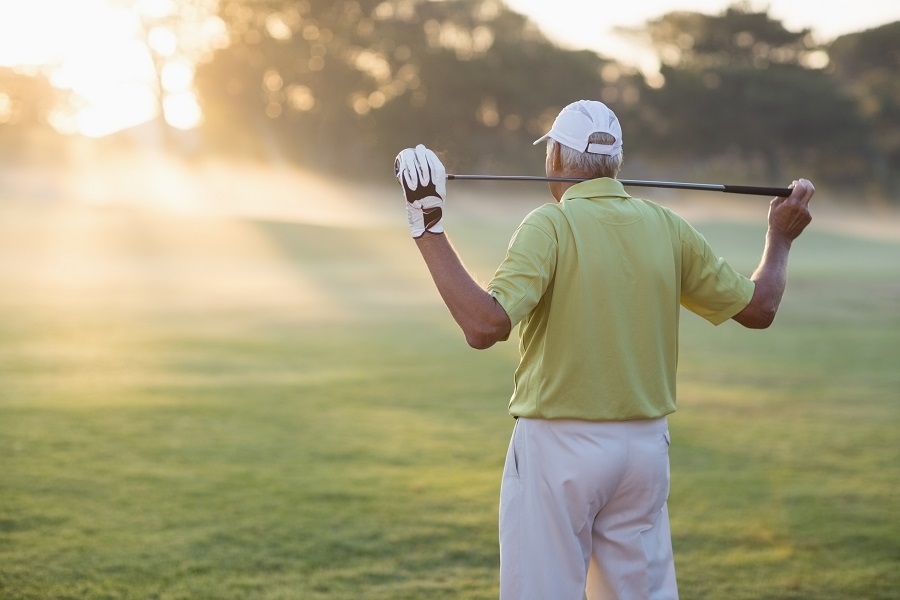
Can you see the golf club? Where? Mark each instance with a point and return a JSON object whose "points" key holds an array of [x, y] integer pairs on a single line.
{"points": [[706, 187]]}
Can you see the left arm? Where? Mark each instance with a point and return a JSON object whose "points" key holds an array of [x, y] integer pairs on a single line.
{"points": [[788, 217]]}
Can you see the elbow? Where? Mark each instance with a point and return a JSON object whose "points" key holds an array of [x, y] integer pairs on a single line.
{"points": [[767, 318], [491, 327], [756, 319], [484, 336], [765, 315], [763, 321], [479, 343], [760, 312], [481, 340]]}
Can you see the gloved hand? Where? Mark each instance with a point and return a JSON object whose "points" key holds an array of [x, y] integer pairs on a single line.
{"points": [[424, 183]]}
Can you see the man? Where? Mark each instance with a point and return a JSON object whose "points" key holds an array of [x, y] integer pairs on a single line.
{"points": [[595, 282]]}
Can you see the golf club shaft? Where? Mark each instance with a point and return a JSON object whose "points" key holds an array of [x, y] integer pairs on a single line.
{"points": [[706, 187]]}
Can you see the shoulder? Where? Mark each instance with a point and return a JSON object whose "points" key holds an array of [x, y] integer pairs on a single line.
{"points": [[678, 224], [539, 229], [546, 217], [662, 211], [543, 214]]}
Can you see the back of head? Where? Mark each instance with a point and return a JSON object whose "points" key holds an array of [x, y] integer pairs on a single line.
{"points": [[590, 139], [590, 164]]}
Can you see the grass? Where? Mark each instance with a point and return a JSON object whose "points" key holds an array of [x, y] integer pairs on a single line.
{"points": [[197, 407]]}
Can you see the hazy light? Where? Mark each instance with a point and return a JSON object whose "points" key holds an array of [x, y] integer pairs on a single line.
{"points": [[272, 80], [214, 32], [274, 110], [487, 113], [655, 79], [610, 73], [512, 122], [113, 108], [311, 32], [467, 44], [360, 104], [157, 9], [39, 32], [301, 98], [97, 49], [376, 99], [163, 41], [182, 111], [487, 11], [373, 64], [815, 60], [277, 28], [316, 63], [177, 77], [5, 108], [385, 10]]}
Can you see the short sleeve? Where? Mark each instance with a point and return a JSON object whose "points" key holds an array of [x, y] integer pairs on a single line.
{"points": [[526, 272], [710, 287]]}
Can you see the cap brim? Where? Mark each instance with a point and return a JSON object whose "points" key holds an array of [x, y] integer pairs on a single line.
{"points": [[544, 138]]}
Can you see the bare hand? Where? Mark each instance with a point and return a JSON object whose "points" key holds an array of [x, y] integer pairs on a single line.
{"points": [[790, 216]]}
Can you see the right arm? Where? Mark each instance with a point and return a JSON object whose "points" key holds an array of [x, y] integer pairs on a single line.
{"points": [[788, 217], [423, 179], [483, 321]]}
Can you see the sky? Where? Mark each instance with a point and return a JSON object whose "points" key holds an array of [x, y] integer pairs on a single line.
{"points": [[590, 23]]}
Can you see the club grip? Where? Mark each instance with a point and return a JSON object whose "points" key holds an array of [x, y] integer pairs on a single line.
{"points": [[757, 191]]}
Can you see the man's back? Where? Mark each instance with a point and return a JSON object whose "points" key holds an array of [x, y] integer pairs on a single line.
{"points": [[596, 281]]}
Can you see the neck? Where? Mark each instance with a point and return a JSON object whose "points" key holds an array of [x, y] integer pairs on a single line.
{"points": [[559, 188]]}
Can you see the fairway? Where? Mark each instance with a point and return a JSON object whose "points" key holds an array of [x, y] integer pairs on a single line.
{"points": [[238, 404]]}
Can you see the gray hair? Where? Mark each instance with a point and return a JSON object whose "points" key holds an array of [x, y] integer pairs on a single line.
{"points": [[594, 165]]}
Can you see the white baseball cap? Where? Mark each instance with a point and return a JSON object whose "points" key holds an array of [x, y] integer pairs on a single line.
{"points": [[576, 122]]}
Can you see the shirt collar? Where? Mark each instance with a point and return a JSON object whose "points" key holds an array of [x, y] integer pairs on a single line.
{"points": [[591, 188]]}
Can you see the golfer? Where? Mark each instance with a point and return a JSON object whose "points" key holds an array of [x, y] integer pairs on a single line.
{"points": [[595, 282]]}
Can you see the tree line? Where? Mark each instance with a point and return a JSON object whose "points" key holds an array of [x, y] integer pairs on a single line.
{"points": [[342, 85]]}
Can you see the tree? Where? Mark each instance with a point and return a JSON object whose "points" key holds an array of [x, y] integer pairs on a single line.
{"points": [[736, 88], [25, 100], [737, 38], [348, 82], [866, 65], [26, 103]]}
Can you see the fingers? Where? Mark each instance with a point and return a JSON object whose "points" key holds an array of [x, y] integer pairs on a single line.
{"points": [[424, 168], [790, 216], [405, 168], [438, 173], [803, 190], [419, 166]]}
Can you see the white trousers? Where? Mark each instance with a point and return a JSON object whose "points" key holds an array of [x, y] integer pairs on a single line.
{"points": [[583, 512]]}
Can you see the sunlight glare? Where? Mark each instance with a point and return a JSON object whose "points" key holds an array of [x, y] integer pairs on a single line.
{"points": [[157, 9], [107, 53], [182, 110], [177, 77], [163, 41], [5, 108]]}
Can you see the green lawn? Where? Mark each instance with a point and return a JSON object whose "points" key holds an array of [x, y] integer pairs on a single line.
{"points": [[196, 407]]}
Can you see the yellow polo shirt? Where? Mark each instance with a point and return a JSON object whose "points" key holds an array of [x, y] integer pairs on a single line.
{"points": [[596, 283]]}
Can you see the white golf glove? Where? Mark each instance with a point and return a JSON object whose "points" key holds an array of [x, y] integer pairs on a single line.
{"points": [[424, 183]]}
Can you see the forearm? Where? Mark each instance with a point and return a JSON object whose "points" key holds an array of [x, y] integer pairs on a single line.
{"points": [[770, 279], [478, 314]]}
